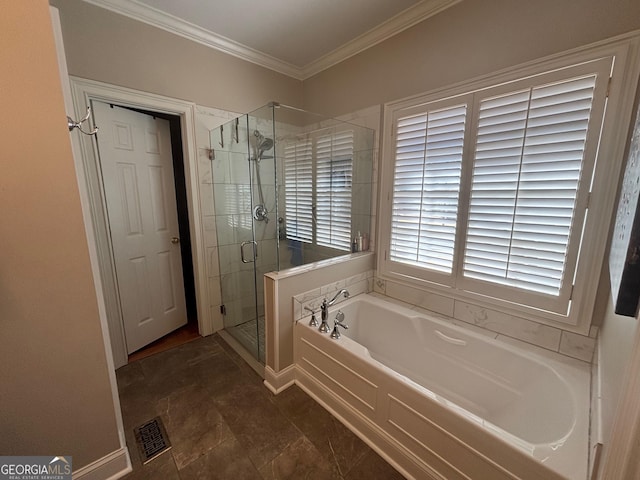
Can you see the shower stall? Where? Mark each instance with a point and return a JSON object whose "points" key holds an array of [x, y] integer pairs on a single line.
{"points": [[290, 188]]}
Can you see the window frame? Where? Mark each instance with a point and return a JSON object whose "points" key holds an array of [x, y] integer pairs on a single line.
{"points": [[409, 271], [560, 304], [601, 199]]}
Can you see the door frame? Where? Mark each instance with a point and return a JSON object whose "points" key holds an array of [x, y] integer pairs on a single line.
{"points": [[83, 92]]}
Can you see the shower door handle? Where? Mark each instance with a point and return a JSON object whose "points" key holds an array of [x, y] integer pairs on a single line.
{"points": [[254, 248]]}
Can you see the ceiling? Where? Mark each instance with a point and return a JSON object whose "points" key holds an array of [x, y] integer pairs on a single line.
{"points": [[296, 37]]}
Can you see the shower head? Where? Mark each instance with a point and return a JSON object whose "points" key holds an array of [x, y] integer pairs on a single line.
{"points": [[264, 144]]}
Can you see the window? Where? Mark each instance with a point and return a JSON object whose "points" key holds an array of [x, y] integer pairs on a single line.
{"points": [[334, 167], [527, 163], [490, 188], [426, 186], [298, 180], [319, 211]]}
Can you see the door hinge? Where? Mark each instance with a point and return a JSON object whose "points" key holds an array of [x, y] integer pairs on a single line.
{"points": [[223, 310], [609, 86]]}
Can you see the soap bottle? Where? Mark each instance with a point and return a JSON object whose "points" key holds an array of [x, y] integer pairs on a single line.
{"points": [[365, 242]]}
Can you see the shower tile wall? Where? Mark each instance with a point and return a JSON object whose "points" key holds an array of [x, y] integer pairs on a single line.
{"points": [[265, 232], [207, 119]]}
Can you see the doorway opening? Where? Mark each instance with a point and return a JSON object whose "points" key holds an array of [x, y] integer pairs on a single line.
{"points": [[142, 161], [183, 210]]}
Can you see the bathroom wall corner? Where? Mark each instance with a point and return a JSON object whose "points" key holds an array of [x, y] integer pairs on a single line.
{"points": [[595, 415]]}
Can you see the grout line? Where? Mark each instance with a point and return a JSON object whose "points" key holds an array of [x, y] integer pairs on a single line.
{"points": [[333, 453]]}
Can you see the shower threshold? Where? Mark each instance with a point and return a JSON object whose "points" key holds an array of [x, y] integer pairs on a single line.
{"points": [[242, 339]]}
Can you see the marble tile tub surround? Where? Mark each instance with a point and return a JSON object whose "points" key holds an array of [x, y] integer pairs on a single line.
{"points": [[490, 322], [356, 284]]}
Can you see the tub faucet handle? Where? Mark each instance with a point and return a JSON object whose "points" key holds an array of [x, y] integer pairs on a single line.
{"points": [[324, 326], [314, 321], [338, 322]]}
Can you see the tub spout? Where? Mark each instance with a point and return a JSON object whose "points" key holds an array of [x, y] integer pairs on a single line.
{"points": [[324, 326]]}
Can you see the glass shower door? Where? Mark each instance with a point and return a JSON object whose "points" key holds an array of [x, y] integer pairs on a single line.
{"points": [[237, 249], [244, 197]]}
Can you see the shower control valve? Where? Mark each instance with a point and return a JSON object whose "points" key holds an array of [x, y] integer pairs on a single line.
{"points": [[260, 213]]}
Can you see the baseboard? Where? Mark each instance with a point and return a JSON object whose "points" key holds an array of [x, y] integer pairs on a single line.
{"points": [[110, 467], [279, 381]]}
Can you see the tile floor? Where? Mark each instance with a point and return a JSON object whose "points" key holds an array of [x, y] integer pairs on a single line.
{"points": [[224, 424]]}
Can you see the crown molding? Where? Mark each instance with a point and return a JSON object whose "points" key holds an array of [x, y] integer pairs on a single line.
{"points": [[152, 16], [400, 22]]}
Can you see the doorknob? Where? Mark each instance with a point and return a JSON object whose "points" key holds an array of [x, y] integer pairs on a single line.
{"points": [[175, 240]]}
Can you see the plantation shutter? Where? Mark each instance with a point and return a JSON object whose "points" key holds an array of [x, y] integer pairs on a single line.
{"points": [[526, 170], [428, 164], [298, 183], [334, 166]]}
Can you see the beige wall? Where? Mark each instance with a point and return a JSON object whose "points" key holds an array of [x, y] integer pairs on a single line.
{"points": [[55, 396], [101, 45], [473, 38]]}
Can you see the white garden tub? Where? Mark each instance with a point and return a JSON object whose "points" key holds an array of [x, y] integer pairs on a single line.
{"points": [[441, 401]]}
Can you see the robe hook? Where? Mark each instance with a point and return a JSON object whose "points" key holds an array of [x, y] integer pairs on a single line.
{"points": [[71, 123]]}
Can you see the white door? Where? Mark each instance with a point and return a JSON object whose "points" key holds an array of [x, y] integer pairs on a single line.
{"points": [[137, 169]]}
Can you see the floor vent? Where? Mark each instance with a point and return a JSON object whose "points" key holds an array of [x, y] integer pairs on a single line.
{"points": [[152, 439]]}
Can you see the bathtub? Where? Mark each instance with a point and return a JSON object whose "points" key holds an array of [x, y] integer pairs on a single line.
{"points": [[441, 401]]}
